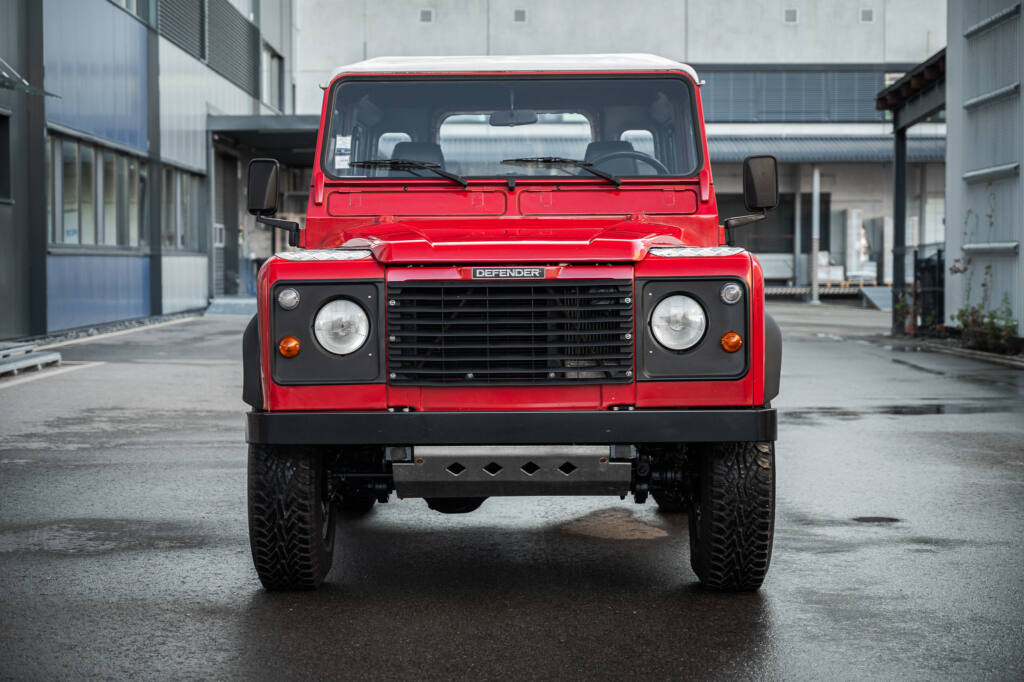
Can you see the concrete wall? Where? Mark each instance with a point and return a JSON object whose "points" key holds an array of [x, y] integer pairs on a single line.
{"points": [[987, 209], [330, 33]]}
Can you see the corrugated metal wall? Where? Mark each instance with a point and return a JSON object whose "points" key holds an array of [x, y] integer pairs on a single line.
{"points": [[84, 290], [95, 59], [183, 22], [986, 144], [234, 47]]}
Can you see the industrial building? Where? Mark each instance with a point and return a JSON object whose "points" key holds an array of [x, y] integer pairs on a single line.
{"points": [[984, 186], [157, 105], [116, 199], [793, 78]]}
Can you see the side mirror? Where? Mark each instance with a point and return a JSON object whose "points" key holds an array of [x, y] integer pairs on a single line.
{"points": [[263, 186], [760, 183], [263, 197]]}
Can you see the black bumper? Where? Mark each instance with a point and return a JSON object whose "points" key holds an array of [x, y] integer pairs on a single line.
{"points": [[591, 427]]}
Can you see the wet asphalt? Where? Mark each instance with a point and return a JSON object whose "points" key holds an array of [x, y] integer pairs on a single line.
{"points": [[124, 554]]}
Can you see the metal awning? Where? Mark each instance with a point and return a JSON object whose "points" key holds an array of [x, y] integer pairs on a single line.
{"points": [[12, 80], [824, 148], [289, 139]]}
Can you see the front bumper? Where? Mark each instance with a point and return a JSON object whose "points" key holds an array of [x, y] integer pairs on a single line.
{"points": [[571, 427]]}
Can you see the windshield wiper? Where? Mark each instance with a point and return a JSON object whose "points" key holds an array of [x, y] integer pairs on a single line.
{"points": [[409, 164], [562, 161]]}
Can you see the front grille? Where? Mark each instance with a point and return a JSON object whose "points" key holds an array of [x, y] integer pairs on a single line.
{"points": [[527, 332]]}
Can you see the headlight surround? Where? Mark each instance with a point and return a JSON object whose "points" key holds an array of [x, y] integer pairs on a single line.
{"points": [[678, 322], [341, 326]]}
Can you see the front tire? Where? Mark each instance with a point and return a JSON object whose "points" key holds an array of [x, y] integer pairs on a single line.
{"points": [[732, 515], [291, 519]]}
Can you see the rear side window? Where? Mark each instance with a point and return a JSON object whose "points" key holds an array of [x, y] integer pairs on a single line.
{"points": [[471, 146]]}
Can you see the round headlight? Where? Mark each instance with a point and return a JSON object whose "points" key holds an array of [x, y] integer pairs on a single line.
{"points": [[288, 298], [731, 292], [678, 322], [341, 327]]}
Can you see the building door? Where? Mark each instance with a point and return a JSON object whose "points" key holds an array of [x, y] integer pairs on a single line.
{"points": [[226, 232]]}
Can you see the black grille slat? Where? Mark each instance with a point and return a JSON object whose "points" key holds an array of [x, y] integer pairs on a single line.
{"points": [[522, 332]]}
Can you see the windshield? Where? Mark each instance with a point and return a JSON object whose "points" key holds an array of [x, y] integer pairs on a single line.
{"points": [[512, 127]]}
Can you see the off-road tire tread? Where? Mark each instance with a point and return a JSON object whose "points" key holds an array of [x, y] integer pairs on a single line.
{"points": [[284, 532], [732, 548]]}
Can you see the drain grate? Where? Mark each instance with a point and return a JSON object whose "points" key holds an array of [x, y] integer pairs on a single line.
{"points": [[567, 468], [493, 468], [455, 468]]}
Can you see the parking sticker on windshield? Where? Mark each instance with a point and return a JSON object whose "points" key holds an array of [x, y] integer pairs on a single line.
{"points": [[342, 151]]}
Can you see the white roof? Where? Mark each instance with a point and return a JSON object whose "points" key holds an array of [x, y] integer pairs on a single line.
{"points": [[513, 63]]}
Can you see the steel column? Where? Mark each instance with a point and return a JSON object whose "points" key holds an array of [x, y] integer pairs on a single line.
{"points": [[798, 279], [815, 231], [899, 226]]}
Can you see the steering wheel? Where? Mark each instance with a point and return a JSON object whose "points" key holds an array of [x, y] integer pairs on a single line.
{"points": [[639, 156]]}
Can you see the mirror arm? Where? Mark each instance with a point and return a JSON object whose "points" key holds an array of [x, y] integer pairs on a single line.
{"points": [[740, 221], [289, 226]]}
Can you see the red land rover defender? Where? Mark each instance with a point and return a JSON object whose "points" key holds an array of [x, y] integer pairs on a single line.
{"points": [[503, 252]]}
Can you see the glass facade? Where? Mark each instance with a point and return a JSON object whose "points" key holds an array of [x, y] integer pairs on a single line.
{"points": [[96, 196]]}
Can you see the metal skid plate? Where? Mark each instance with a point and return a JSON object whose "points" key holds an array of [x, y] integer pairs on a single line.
{"points": [[484, 472]]}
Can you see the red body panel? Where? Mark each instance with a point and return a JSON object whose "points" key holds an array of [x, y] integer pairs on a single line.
{"points": [[429, 222]]}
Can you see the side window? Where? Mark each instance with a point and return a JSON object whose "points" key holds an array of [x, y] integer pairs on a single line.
{"points": [[386, 143], [642, 140]]}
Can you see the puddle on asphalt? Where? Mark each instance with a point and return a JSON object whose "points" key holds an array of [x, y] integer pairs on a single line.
{"points": [[84, 537], [612, 524], [814, 413]]}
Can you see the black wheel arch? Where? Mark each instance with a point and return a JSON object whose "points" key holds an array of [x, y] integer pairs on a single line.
{"points": [[252, 392], [772, 357]]}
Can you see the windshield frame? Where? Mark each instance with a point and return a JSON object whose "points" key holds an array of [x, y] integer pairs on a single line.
{"points": [[332, 93]]}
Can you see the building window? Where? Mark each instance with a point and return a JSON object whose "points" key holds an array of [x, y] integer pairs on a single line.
{"points": [[143, 9], [791, 15], [5, 157], [181, 214], [763, 96], [271, 77], [68, 192], [867, 15], [95, 196], [426, 15], [87, 192], [519, 16]]}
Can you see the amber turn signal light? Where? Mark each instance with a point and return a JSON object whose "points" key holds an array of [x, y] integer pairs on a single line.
{"points": [[289, 346], [731, 342]]}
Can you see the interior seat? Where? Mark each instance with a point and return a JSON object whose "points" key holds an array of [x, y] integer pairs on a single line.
{"points": [[595, 150]]}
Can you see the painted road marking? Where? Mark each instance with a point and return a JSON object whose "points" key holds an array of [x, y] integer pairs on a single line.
{"points": [[43, 374], [100, 337]]}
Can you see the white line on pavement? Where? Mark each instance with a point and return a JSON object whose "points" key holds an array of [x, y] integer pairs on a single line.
{"points": [[42, 374], [99, 337]]}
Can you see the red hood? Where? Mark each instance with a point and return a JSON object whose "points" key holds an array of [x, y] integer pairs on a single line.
{"points": [[502, 240]]}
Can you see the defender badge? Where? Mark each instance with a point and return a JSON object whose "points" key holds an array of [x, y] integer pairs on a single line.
{"points": [[508, 273]]}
